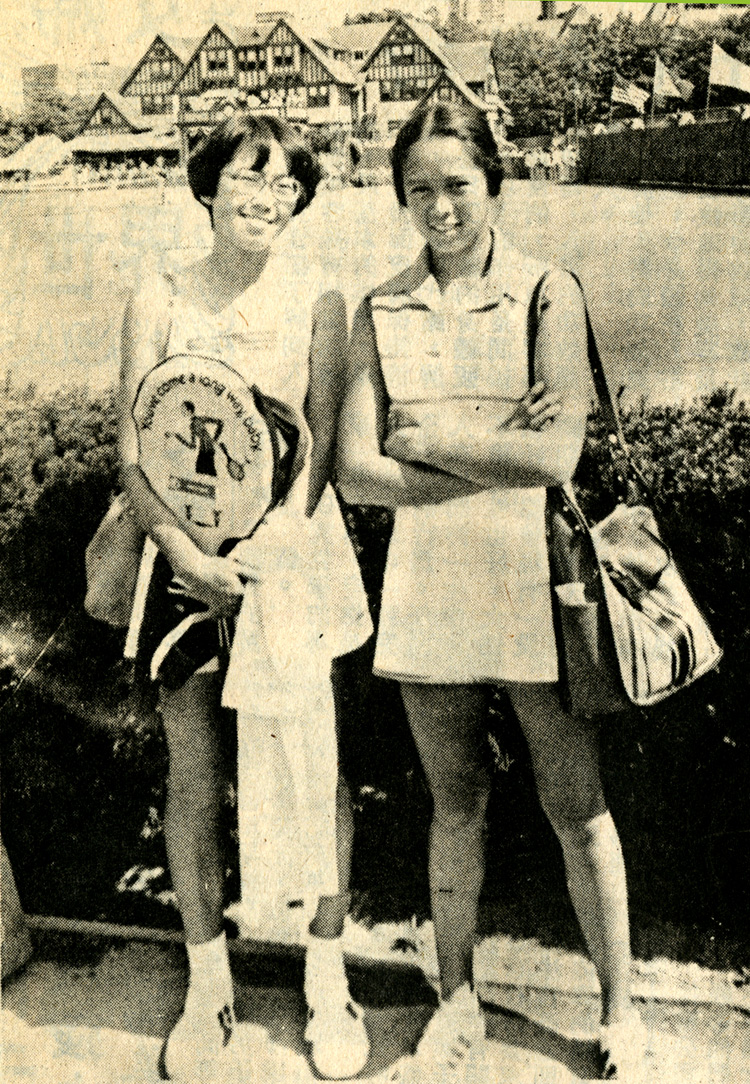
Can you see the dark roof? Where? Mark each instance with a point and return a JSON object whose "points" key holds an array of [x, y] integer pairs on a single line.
{"points": [[356, 37], [183, 48], [470, 58]]}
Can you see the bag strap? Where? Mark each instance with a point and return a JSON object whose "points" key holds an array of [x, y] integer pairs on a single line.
{"points": [[610, 414]]}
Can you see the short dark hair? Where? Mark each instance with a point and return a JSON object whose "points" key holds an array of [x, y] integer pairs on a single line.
{"points": [[450, 119], [219, 147]]}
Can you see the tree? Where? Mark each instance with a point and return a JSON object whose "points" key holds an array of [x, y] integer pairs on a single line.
{"points": [[537, 75], [54, 113]]}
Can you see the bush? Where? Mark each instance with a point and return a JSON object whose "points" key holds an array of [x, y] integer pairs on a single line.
{"points": [[58, 472], [676, 776], [58, 469]]}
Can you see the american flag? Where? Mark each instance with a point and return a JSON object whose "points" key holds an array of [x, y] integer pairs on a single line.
{"points": [[629, 94]]}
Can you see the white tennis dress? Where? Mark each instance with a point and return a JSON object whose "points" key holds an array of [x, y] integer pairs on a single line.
{"points": [[466, 597], [308, 607]]}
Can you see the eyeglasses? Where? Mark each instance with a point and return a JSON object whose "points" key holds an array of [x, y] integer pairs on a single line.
{"points": [[285, 189]]}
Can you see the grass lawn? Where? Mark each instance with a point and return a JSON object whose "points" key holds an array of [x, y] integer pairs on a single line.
{"points": [[667, 274]]}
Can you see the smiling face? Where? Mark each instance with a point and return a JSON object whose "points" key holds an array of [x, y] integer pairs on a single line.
{"points": [[447, 196], [249, 215]]}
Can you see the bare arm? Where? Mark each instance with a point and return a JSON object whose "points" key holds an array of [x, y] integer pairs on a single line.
{"points": [[366, 475], [217, 581], [326, 391], [502, 457]]}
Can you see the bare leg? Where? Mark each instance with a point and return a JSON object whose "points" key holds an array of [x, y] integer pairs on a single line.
{"points": [[331, 912], [336, 1029], [448, 723], [565, 754], [191, 824]]}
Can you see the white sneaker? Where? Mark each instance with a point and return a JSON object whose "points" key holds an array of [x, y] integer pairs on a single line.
{"points": [[335, 1024], [452, 1044], [622, 1050], [200, 1048], [338, 1037]]}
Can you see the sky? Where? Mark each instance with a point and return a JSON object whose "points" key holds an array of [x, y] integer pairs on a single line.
{"points": [[76, 32]]}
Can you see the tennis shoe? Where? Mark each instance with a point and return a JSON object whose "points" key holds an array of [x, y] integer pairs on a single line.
{"points": [[452, 1046], [338, 1038], [202, 1049], [335, 1028], [622, 1050]]}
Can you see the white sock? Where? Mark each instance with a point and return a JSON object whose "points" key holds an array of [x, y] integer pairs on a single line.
{"points": [[325, 973], [464, 998], [210, 983]]}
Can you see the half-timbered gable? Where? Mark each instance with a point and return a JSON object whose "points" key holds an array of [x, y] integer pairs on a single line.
{"points": [[213, 65], [406, 63], [293, 76], [152, 79], [112, 113], [353, 42], [252, 58]]}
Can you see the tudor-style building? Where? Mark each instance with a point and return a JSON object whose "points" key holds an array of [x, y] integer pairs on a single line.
{"points": [[411, 60], [274, 67], [379, 71], [150, 85]]}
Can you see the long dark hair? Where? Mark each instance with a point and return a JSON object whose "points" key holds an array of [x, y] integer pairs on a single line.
{"points": [[450, 119]]}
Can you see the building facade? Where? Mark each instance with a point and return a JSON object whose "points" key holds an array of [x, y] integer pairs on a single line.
{"points": [[373, 72]]}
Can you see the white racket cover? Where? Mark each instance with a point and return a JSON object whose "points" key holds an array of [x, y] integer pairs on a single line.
{"points": [[206, 448]]}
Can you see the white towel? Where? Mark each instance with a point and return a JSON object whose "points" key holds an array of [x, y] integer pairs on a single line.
{"points": [[279, 682]]}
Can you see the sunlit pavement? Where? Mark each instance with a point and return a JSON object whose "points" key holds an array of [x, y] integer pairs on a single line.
{"points": [[86, 1010]]}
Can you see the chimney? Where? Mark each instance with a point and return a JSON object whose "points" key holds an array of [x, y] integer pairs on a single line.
{"points": [[549, 9]]}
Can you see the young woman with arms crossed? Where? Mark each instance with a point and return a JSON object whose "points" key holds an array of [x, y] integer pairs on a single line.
{"points": [[439, 424], [234, 309]]}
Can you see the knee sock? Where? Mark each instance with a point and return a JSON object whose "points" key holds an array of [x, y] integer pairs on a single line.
{"points": [[210, 983]]}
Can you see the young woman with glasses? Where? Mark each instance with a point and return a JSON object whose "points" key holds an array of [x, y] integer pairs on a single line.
{"points": [[231, 383]]}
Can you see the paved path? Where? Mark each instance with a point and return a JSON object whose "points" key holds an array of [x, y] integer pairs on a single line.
{"points": [[97, 1011]]}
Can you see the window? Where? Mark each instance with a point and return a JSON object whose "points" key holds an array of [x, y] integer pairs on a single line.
{"points": [[283, 56], [319, 95], [153, 104], [402, 54], [217, 61], [395, 90]]}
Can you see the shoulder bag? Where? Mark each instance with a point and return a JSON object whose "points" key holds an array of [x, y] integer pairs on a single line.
{"points": [[629, 630]]}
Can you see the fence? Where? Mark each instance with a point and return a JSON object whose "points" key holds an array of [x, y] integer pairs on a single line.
{"points": [[715, 155]]}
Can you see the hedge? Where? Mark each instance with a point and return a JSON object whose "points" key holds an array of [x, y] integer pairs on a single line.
{"points": [[677, 776]]}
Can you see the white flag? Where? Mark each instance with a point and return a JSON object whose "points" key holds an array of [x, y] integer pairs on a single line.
{"points": [[664, 84], [628, 93], [728, 72]]}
